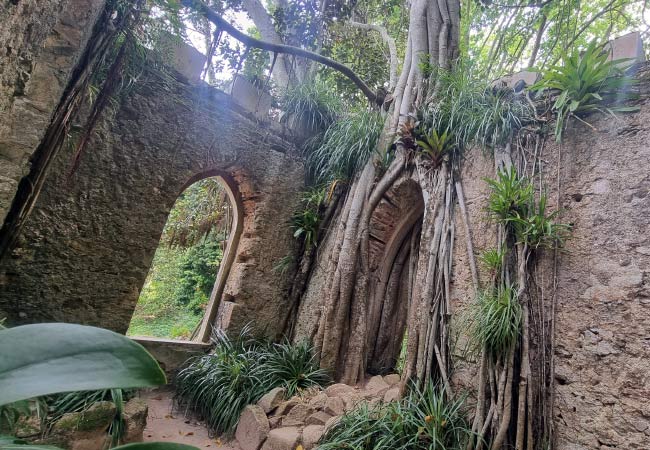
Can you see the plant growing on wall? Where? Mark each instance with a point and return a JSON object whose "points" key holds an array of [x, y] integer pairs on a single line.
{"points": [[587, 82]]}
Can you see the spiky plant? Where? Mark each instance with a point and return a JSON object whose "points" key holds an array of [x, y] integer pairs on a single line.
{"points": [[511, 195], [538, 228], [435, 146], [312, 104], [587, 81], [294, 367], [425, 419], [492, 259], [345, 146], [496, 320]]}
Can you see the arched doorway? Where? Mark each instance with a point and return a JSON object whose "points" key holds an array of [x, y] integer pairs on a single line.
{"points": [[181, 295]]}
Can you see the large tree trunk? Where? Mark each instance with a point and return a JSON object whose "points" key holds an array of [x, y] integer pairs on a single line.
{"points": [[342, 338]]}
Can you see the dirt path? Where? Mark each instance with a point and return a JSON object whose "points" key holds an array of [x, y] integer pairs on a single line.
{"points": [[165, 425]]}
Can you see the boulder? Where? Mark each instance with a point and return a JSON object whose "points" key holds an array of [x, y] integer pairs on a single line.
{"points": [[311, 435], [391, 395], [297, 415], [83, 430], [318, 418], [392, 379], [135, 419], [285, 438], [332, 422], [334, 406], [272, 399], [350, 401], [253, 428], [274, 421], [318, 401], [376, 386], [284, 407], [337, 389]]}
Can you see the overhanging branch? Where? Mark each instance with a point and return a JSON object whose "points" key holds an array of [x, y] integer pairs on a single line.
{"points": [[214, 17]]}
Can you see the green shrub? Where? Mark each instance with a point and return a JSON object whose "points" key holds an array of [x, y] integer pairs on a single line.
{"points": [[345, 146], [312, 104], [425, 419], [492, 259], [496, 320], [587, 82], [238, 372], [305, 222], [511, 195]]}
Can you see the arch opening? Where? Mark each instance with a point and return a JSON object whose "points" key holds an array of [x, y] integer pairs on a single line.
{"points": [[181, 293]]}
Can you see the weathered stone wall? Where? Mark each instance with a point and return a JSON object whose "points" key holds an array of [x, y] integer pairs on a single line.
{"points": [[40, 42], [602, 339], [90, 239]]}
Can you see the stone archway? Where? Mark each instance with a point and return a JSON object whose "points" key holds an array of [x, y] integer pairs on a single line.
{"points": [[88, 244]]}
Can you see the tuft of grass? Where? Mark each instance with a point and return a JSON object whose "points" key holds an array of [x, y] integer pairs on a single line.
{"points": [[305, 222], [492, 259], [425, 419], [238, 372], [511, 195], [294, 367], [474, 112], [313, 105], [496, 320], [587, 82], [345, 146]]}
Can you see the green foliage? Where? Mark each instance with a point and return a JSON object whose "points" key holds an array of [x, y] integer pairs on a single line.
{"points": [[425, 419], [472, 112], [312, 105], [587, 82], [496, 320], [345, 146], [294, 367], [238, 372], [512, 203], [11, 413], [511, 195], [50, 358], [53, 357], [305, 223], [492, 259], [435, 145]]}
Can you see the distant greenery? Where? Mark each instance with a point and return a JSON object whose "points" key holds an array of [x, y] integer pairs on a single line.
{"points": [[238, 372], [185, 265], [425, 419]]}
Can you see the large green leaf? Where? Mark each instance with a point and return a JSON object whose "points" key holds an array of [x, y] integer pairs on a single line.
{"points": [[49, 358]]}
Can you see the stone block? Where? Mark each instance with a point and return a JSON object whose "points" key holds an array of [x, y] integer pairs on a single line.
{"points": [[337, 389], [629, 46], [285, 407], [318, 418], [183, 58], [334, 406], [391, 395], [285, 438], [272, 399], [392, 379], [318, 401], [251, 98], [297, 415], [311, 435], [135, 418], [376, 386], [253, 428]]}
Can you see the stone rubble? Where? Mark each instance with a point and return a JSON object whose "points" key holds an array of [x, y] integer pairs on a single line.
{"points": [[277, 423]]}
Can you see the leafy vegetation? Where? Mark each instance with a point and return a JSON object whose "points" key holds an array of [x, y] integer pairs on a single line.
{"points": [[345, 146], [425, 419], [238, 372], [492, 259], [305, 222], [496, 320], [312, 105], [587, 81], [51, 358]]}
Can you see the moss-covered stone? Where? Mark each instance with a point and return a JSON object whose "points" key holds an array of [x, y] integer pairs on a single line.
{"points": [[98, 417]]}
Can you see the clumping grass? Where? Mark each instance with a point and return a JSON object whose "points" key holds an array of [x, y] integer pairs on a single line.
{"points": [[312, 104], [238, 372], [344, 148], [496, 320], [492, 259], [425, 419]]}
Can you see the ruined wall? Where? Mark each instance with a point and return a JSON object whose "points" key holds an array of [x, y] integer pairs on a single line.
{"points": [[602, 353], [90, 239], [41, 42]]}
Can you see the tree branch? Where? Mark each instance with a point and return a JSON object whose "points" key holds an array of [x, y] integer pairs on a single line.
{"points": [[392, 49], [200, 7]]}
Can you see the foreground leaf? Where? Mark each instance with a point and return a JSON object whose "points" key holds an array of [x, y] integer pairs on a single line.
{"points": [[44, 359]]}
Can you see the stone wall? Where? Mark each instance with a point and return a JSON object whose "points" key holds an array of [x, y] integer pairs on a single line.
{"points": [[41, 42], [89, 242], [602, 339]]}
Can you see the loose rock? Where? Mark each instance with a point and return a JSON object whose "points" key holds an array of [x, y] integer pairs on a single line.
{"points": [[272, 399], [285, 438], [253, 428], [311, 435]]}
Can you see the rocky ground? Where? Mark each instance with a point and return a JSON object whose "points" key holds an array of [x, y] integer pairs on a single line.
{"points": [[278, 423]]}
